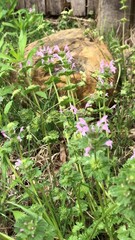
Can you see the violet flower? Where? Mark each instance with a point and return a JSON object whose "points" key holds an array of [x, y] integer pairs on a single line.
{"points": [[40, 53], [73, 109], [82, 127], [4, 134], [56, 49], [102, 120], [87, 105], [101, 80], [55, 55], [105, 127], [19, 138], [49, 50], [112, 67], [66, 48], [28, 63], [102, 66], [109, 143], [21, 129], [73, 65], [20, 65], [18, 163], [69, 57], [87, 151]]}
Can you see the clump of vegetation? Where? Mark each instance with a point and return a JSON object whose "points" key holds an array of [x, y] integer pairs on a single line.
{"points": [[66, 172], [66, 21]]}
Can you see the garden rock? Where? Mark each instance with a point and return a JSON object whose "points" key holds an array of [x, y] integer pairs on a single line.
{"points": [[87, 55]]}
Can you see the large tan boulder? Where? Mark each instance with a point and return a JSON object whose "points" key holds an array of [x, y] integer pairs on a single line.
{"points": [[86, 54]]}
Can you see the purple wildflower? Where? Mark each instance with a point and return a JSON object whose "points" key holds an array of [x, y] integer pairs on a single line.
{"points": [[49, 50], [50, 60], [44, 49], [21, 129], [20, 65], [102, 66], [28, 63], [40, 53], [66, 48], [105, 127], [82, 126], [69, 57], [101, 80], [113, 107], [103, 124], [56, 49], [133, 156], [87, 150], [73, 65], [73, 109], [112, 67], [55, 55], [109, 143], [30, 10], [87, 105], [102, 120], [18, 163], [19, 138], [5, 135]]}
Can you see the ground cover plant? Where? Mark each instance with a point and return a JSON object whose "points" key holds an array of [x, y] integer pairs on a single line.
{"points": [[67, 172]]}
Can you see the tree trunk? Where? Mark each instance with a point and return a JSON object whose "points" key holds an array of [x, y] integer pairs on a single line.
{"points": [[109, 15], [132, 19], [92, 7], [79, 7]]}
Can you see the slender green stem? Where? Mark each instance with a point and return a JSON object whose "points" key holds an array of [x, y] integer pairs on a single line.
{"points": [[102, 205]]}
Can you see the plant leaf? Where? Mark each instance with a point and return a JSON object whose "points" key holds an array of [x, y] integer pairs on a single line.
{"points": [[7, 107]]}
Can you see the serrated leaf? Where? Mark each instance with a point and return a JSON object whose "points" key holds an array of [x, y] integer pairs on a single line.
{"points": [[7, 107], [18, 214]]}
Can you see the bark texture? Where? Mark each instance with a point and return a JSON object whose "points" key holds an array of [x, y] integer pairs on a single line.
{"points": [[109, 15], [92, 6], [79, 7]]}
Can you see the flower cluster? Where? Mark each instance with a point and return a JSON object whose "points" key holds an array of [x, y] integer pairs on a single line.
{"points": [[102, 124], [82, 127], [73, 109], [107, 66], [105, 73], [3, 133], [54, 54]]}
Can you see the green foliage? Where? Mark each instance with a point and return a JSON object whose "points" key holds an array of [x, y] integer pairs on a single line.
{"points": [[62, 169], [65, 21]]}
